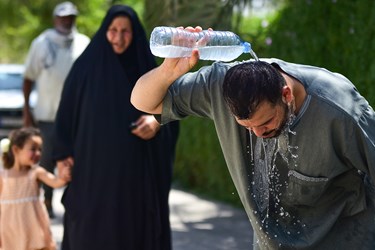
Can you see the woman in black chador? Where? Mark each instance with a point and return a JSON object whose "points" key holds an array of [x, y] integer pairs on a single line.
{"points": [[121, 175]]}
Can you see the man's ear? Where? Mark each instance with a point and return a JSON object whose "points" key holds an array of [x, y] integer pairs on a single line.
{"points": [[286, 93]]}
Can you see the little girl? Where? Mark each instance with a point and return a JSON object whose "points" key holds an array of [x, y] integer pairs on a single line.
{"points": [[24, 221]]}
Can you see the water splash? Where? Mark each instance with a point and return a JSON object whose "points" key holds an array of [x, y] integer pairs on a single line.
{"points": [[267, 185], [263, 155]]}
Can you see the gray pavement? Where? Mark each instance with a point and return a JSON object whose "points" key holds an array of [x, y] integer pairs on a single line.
{"points": [[197, 224]]}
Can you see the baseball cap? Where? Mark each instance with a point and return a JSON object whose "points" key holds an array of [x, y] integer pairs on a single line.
{"points": [[65, 9]]}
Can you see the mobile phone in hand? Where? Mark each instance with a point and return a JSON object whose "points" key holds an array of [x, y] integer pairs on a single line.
{"points": [[133, 125]]}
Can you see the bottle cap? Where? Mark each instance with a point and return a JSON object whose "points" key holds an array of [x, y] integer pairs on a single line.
{"points": [[246, 47]]}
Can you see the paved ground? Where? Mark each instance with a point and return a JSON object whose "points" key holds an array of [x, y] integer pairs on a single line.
{"points": [[197, 224]]}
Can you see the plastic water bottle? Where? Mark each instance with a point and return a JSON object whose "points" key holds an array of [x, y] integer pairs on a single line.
{"points": [[169, 42]]}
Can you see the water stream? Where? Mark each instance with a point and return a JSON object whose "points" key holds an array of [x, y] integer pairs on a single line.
{"points": [[252, 53], [268, 184]]}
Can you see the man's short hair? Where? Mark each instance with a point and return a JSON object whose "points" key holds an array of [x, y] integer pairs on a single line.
{"points": [[247, 85]]}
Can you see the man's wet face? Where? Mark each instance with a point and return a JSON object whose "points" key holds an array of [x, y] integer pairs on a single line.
{"points": [[268, 121]]}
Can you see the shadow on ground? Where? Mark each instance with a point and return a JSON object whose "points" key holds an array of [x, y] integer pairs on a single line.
{"points": [[197, 224]]}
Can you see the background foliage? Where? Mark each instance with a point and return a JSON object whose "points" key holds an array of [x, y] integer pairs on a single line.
{"points": [[23, 20], [335, 34]]}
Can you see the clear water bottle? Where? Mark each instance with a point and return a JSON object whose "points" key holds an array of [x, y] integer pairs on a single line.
{"points": [[169, 42]]}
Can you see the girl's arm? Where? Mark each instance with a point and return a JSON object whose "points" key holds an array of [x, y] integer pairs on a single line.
{"points": [[49, 178]]}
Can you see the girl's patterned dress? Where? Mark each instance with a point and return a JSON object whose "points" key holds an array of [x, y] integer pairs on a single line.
{"points": [[24, 221]]}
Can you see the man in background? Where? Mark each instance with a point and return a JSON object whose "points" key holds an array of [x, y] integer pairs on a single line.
{"points": [[48, 62]]}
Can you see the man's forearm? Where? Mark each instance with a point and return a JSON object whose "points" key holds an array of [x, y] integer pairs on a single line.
{"points": [[27, 116], [150, 90], [26, 88]]}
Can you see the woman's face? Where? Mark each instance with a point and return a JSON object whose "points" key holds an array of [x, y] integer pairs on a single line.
{"points": [[120, 34]]}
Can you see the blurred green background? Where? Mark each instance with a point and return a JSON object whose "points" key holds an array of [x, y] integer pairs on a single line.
{"points": [[334, 34]]}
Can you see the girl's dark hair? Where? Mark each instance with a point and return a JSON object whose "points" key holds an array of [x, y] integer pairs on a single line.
{"points": [[17, 137], [246, 85]]}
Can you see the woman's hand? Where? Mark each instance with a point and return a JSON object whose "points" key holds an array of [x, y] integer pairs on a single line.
{"points": [[64, 168], [146, 127]]}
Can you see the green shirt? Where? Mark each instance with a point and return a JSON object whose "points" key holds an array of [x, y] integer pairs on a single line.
{"points": [[310, 188]]}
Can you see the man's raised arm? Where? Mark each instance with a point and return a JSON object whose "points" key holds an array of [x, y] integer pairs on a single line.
{"points": [[150, 90]]}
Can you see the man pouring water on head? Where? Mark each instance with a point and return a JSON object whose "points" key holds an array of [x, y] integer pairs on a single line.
{"points": [[298, 140]]}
